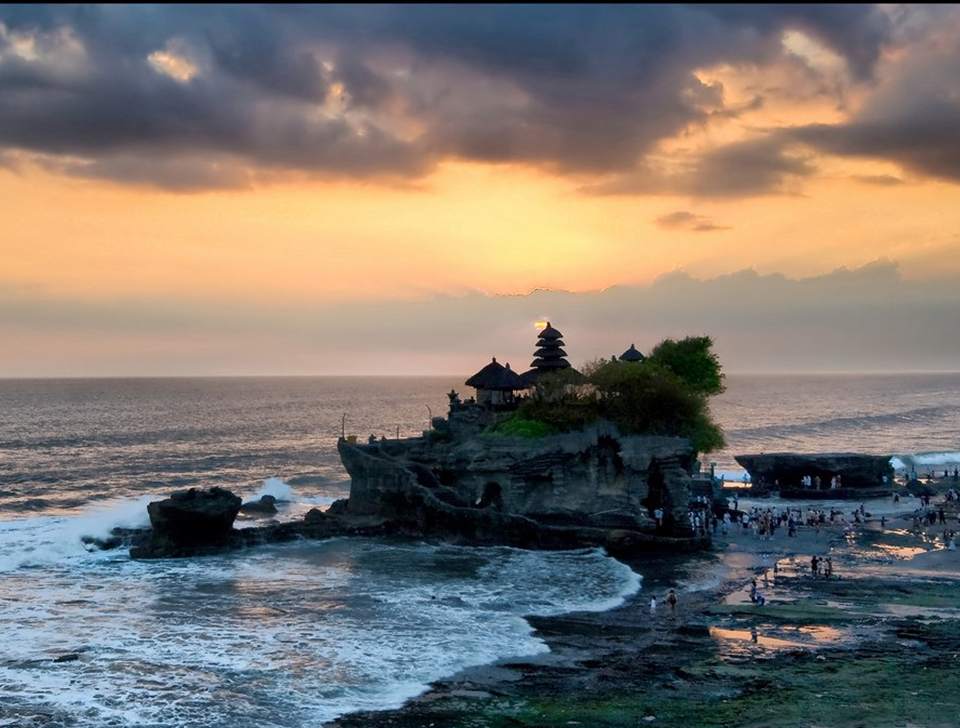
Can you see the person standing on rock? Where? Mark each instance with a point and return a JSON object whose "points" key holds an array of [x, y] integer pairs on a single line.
{"points": [[672, 601], [653, 606]]}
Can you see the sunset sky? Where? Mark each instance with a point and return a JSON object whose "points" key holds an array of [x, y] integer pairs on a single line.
{"points": [[408, 189]]}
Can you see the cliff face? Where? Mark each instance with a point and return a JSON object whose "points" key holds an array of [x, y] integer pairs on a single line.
{"points": [[597, 485]]}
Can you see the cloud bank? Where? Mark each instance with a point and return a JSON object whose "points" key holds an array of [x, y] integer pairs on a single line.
{"points": [[849, 320]]}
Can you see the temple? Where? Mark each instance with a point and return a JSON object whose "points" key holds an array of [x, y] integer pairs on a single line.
{"points": [[465, 481]]}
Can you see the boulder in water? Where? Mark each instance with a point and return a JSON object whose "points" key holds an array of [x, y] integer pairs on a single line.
{"points": [[188, 523], [266, 506]]}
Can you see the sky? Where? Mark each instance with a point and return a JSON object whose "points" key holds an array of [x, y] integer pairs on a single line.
{"points": [[408, 189]]}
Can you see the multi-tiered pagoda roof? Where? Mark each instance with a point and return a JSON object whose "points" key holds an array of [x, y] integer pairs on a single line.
{"points": [[550, 355]]}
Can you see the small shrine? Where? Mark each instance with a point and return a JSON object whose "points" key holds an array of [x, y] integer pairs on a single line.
{"points": [[496, 384], [632, 354]]}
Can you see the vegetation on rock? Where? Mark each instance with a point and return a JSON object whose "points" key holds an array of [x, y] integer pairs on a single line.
{"points": [[666, 394]]}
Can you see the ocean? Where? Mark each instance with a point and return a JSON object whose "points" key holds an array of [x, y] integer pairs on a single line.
{"points": [[294, 635]]}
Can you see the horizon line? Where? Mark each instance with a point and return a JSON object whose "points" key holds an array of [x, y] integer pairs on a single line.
{"points": [[340, 375]]}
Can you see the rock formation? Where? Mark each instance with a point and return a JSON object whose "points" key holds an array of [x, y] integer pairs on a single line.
{"points": [[189, 522], [860, 475], [590, 488], [594, 487], [266, 506]]}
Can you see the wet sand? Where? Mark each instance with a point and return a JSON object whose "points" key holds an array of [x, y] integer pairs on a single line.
{"points": [[875, 645]]}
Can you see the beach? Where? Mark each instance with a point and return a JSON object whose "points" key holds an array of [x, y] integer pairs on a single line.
{"points": [[875, 644]]}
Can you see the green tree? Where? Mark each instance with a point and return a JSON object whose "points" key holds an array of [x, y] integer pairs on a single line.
{"points": [[562, 400], [647, 398], [693, 360], [666, 394]]}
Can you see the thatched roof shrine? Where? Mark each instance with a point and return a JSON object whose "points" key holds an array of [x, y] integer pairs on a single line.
{"points": [[632, 354], [505, 380], [480, 379]]}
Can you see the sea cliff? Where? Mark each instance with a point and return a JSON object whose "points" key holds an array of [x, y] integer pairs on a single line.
{"points": [[594, 487]]}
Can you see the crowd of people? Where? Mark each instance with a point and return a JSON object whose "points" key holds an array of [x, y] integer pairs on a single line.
{"points": [[763, 523]]}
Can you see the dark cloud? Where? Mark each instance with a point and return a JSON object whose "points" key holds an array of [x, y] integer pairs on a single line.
{"points": [[684, 220], [768, 165], [881, 180], [752, 167], [911, 117], [679, 219], [925, 144], [857, 32], [388, 90]]}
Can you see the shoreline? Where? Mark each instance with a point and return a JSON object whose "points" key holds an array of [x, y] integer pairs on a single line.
{"points": [[606, 668]]}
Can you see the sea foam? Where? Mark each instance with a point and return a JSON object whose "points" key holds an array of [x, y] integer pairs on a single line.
{"points": [[925, 460], [48, 540], [294, 634]]}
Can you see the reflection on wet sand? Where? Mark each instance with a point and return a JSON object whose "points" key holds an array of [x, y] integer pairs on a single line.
{"points": [[809, 637]]}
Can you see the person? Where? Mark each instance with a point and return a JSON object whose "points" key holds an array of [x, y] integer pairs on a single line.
{"points": [[653, 606], [672, 601], [814, 565], [753, 591]]}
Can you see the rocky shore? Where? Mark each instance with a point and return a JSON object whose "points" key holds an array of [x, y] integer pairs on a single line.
{"points": [[876, 644]]}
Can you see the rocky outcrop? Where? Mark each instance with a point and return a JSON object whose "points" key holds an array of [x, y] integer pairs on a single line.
{"points": [[189, 522], [266, 506], [860, 475], [593, 487], [148, 544]]}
